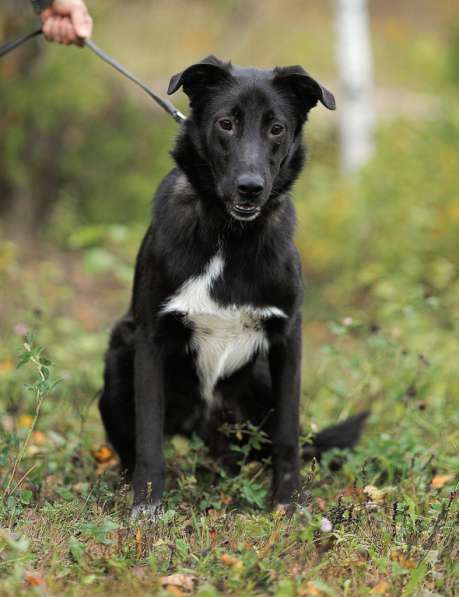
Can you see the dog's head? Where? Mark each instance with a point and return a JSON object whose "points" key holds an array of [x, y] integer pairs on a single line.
{"points": [[246, 125]]}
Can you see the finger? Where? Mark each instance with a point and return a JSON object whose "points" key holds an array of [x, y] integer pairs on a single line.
{"points": [[68, 32], [81, 20], [59, 29], [47, 29], [51, 29]]}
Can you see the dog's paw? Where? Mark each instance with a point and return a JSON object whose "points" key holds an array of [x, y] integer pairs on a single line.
{"points": [[146, 512]]}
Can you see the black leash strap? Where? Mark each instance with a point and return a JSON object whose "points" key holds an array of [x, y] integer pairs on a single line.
{"points": [[165, 104], [15, 43]]}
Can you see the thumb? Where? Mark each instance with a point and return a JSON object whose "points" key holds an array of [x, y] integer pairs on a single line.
{"points": [[81, 21]]}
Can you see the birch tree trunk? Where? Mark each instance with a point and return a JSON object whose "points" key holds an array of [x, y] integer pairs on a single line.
{"points": [[355, 65]]}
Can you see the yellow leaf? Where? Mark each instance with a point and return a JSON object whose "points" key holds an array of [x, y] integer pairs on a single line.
{"points": [[230, 560], [25, 421], [311, 589], [173, 590], [381, 588], [403, 560], [377, 495], [439, 480], [182, 581], [6, 365], [406, 562], [181, 445]]}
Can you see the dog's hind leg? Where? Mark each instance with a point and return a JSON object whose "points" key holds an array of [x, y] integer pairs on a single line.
{"points": [[116, 403], [343, 435]]}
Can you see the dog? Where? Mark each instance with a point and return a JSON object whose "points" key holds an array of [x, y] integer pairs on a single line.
{"points": [[213, 333]]}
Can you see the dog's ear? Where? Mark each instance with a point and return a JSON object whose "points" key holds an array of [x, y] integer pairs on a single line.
{"points": [[305, 90], [210, 71]]}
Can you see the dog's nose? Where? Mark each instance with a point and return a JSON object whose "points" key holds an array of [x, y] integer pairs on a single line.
{"points": [[250, 185]]}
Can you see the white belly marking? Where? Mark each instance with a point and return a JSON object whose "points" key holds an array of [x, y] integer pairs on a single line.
{"points": [[224, 337]]}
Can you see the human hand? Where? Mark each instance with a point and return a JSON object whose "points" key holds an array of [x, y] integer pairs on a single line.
{"points": [[67, 22]]}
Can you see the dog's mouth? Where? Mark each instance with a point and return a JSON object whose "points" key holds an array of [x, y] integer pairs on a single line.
{"points": [[243, 211]]}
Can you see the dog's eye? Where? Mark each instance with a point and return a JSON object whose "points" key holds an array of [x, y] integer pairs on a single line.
{"points": [[277, 129], [226, 124]]}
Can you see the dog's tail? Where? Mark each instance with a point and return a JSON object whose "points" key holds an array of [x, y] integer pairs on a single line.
{"points": [[343, 435]]}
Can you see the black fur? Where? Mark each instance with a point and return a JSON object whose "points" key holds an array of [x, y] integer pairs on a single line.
{"points": [[238, 155]]}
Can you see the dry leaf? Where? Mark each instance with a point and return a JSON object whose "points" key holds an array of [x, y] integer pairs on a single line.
{"points": [[103, 454], [34, 579], [32, 450], [381, 588], [173, 590], [406, 562], [138, 543], [25, 421], [310, 589], [6, 365], [322, 504], [226, 500], [377, 495], [230, 560], [140, 572], [39, 438], [183, 581], [439, 480], [403, 560]]}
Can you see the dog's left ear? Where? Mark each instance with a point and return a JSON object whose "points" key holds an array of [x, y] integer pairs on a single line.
{"points": [[195, 79], [306, 90]]}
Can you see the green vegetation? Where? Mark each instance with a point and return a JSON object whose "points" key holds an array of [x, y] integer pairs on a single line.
{"points": [[381, 331]]}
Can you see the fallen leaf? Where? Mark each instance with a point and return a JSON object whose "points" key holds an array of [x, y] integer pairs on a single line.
{"points": [[403, 560], [406, 562], [138, 543], [103, 454], [140, 572], [39, 438], [6, 365], [322, 504], [376, 494], [174, 591], [230, 560], [181, 445], [439, 480], [226, 500], [310, 589], [25, 421], [381, 588], [183, 581], [32, 450], [103, 466], [34, 579]]}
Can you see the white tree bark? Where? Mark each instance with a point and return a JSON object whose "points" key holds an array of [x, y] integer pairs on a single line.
{"points": [[355, 64]]}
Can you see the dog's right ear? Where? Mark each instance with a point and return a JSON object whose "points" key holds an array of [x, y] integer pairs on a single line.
{"points": [[199, 77]]}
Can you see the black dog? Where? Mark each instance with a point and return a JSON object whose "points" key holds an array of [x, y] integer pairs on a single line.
{"points": [[213, 334]]}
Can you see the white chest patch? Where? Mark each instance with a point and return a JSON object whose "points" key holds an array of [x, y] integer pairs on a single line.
{"points": [[224, 338]]}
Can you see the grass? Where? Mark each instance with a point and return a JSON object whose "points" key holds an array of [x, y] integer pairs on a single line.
{"points": [[381, 332], [384, 522]]}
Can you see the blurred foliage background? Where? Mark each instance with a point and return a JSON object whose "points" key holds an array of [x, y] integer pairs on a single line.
{"points": [[82, 150]]}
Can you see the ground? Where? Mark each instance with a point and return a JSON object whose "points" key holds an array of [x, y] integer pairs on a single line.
{"points": [[379, 521]]}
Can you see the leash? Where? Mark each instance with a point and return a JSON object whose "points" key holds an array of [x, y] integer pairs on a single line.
{"points": [[163, 103]]}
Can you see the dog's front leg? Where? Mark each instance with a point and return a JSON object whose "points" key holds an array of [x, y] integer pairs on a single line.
{"points": [[285, 366], [148, 479]]}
